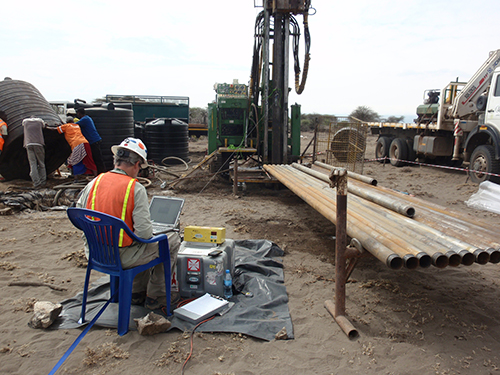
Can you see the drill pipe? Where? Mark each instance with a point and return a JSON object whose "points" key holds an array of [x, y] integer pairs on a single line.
{"points": [[475, 225], [437, 217], [403, 248], [376, 248], [407, 240], [455, 255], [393, 204], [467, 253], [459, 251], [356, 176]]}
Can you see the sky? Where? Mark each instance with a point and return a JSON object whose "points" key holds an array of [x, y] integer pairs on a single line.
{"points": [[381, 54]]}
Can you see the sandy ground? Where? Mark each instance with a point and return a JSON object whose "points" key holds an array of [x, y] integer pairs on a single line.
{"points": [[428, 321]]}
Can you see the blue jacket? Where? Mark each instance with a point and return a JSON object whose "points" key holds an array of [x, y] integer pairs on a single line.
{"points": [[88, 129]]}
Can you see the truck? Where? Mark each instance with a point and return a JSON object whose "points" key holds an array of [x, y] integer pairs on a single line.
{"points": [[457, 124]]}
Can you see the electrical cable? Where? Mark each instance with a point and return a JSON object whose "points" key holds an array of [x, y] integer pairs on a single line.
{"points": [[175, 158], [192, 336]]}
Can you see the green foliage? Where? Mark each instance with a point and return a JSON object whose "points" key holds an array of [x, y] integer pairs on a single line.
{"points": [[365, 113], [308, 122], [394, 119], [198, 115]]}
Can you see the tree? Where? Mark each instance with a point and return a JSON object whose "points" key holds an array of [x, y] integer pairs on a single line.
{"points": [[365, 113], [394, 119], [309, 121], [198, 115]]}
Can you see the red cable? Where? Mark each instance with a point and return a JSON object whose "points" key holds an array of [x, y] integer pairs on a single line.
{"points": [[191, 350]]}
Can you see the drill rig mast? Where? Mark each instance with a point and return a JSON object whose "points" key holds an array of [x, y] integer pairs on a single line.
{"points": [[276, 24]]}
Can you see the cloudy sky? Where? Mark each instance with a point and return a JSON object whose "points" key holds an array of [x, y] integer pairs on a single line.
{"points": [[382, 54]]}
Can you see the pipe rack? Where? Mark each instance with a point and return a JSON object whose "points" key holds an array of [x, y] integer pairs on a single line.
{"points": [[433, 236]]}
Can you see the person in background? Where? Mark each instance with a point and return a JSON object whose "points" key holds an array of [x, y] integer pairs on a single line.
{"points": [[89, 131], [35, 148], [118, 193], [80, 161], [3, 132]]}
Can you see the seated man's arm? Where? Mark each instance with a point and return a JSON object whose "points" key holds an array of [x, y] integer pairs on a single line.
{"points": [[141, 216]]}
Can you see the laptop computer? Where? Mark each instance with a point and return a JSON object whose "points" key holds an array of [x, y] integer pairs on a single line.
{"points": [[165, 213]]}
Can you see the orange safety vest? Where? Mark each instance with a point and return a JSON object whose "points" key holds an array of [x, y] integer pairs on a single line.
{"points": [[2, 141], [113, 194]]}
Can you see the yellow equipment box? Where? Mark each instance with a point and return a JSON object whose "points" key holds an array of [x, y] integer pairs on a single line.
{"points": [[204, 234]]}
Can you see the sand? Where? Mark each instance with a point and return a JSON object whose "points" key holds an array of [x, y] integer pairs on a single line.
{"points": [[424, 321]]}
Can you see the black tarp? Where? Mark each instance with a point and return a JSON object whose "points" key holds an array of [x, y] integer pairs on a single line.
{"points": [[258, 270]]}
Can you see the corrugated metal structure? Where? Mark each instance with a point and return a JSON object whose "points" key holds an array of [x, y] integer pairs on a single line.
{"points": [[20, 100]]}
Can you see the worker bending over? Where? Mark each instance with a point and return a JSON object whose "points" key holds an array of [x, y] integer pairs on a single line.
{"points": [[89, 131], [119, 194], [80, 161]]}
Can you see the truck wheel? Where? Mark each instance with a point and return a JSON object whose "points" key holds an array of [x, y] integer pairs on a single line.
{"points": [[412, 155], [483, 160], [398, 152], [382, 148]]}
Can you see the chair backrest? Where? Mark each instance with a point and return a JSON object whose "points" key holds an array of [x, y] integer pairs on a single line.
{"points": [[102, 232]]}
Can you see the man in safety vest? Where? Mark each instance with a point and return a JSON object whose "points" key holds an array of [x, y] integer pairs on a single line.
{"points": [[119, 194]]}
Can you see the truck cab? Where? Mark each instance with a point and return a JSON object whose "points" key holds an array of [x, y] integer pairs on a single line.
{"points": [[482, 145]]}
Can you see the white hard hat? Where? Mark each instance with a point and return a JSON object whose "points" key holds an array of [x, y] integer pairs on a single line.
{"points": [[134, 145]]}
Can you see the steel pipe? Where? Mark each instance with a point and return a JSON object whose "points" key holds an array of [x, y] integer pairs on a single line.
{"points": [[356, 176], [393, 204], [466, 253], [457, 249], [408, 241], [376, 248], [434, 216], [379, 234], [341, 320]]}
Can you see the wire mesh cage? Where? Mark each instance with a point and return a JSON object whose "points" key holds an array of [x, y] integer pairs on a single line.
{"points": [[342, 143]]}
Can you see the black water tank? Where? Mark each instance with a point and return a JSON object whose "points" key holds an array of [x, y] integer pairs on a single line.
{"points": [[113, 125], [167, 137], [139, 131], [20, 100]]}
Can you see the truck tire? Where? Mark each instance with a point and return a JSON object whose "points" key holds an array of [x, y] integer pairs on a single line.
{"points": [[483, 160], [398, 152], [412, 155], [382, 148]]}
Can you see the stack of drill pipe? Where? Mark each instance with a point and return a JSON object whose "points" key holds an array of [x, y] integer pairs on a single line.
{"points": [[376, 244], [384, 200], [479, 234], [443, 249], [457, 251], [479, 237], [412, 241]]}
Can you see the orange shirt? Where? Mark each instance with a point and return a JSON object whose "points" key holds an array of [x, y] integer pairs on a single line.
{"points": [[2, 141], [73, 134]]}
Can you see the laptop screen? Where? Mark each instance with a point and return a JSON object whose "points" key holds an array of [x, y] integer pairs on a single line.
{"points": [[165, 210]]}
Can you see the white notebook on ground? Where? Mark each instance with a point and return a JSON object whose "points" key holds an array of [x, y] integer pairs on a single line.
{"points": [[203, 308]]}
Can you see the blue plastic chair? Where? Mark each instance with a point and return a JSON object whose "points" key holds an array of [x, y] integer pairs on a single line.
{"points": [[102, 231]]}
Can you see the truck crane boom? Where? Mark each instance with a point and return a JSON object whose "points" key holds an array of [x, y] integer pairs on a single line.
{"points": [[465, 101]]}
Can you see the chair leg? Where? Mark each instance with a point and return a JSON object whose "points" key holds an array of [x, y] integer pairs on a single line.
{"points": [[114, 283], [124, 305], [168, 283], [84, 297]]}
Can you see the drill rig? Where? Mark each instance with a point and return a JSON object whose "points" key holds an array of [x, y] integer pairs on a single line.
{"points": [[253, 120]]}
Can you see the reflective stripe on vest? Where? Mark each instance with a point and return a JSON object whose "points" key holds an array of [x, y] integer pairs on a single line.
{"points": [[123, 215]]}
